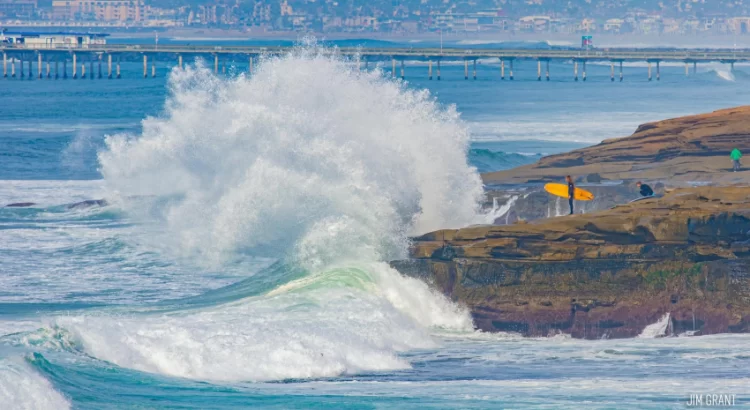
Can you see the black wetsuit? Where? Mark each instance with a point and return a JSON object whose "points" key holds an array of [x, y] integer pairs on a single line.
{"points": [[646, 190], [571, 194]]}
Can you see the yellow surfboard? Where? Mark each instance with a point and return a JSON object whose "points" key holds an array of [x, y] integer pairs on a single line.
{"points": [[562, 190]]}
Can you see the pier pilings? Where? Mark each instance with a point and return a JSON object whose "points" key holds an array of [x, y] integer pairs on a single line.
{"points": [[539, 70], [658, 71], [584, 70], [84, 59]]}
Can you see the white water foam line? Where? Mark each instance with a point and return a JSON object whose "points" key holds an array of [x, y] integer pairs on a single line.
{"points": [[658, 329], [499, 212]]}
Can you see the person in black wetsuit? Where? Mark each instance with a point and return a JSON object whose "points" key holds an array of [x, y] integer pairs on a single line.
{"points": [[645, 189], [571, 192]]}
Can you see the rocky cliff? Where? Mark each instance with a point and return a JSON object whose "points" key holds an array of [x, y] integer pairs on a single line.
{"points": [[693, 148], [604, 274]]}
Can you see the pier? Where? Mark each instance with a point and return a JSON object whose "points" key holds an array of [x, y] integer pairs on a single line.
{"points": [[15, 56]]}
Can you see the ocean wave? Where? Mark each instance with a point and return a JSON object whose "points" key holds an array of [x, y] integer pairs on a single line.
{"points": [[22, 388], [310, 162], [488, 161], [336, 322], [47, 193], [726, 75], [531, 44]]}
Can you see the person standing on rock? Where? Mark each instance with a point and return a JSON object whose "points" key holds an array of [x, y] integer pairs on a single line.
{"points": [[736, 155], [571, 192]]}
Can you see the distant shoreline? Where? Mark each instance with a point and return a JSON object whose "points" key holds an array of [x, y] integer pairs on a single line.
{"points": [[601, 40]]}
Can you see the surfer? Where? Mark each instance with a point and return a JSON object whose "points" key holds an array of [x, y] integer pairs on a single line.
{"points": [[571, 192], [736, 155], [645, 189]]}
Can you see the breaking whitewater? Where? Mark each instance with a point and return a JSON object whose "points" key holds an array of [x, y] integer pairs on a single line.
{"points": [[241, 260]]}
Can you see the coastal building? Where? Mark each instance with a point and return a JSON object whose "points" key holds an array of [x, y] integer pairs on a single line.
{"points": [[18, 8], [739, 25], [679, 26], [534, 23], [99, 10], [286, 8], [40, 40], [443, 21], [587, 25], [613, 25]]}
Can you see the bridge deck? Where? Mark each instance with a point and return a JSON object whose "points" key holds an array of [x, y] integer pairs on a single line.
{"points": [[687, 55]]}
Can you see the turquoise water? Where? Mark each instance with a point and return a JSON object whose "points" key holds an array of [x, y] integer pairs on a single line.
{"points": [[239, 261]]}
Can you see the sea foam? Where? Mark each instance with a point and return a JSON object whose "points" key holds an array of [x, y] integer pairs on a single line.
{"points": [[22, 388]]}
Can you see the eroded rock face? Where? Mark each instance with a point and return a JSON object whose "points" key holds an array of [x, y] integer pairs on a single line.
{"points": [[604, 274], [693, 148]]}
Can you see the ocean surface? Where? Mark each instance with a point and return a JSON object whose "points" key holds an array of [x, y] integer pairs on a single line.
{"points": [[240, 258]]}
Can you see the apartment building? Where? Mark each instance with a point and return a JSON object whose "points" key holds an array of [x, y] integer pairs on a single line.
{"points": [[99, 10]]}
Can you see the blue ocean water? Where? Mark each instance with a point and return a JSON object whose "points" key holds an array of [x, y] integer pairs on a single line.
{"points": [[239, 261]]}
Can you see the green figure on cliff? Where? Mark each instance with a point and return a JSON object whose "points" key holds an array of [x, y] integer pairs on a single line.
{"points": [[736, 155]]}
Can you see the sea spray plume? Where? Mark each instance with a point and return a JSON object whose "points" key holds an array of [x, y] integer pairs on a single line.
{"points": [[308, 158], [310, 161]]}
